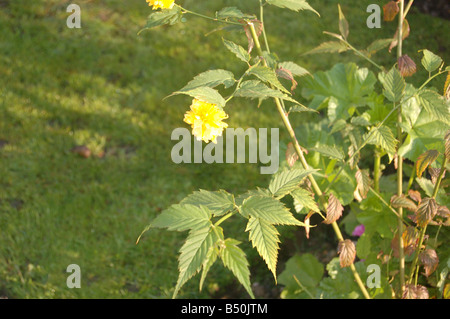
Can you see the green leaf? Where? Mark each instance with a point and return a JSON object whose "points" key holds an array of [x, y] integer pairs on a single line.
{"points": [[430, 61], [341, 90], [402, 201], [332, 152], [294, 68], [211, 79], [205, 94], [238, 50], [394, 85], [218, 202], [257, 90], [434, 104], [375, 216], [269, 209], [181, 217], [304, 198], [167, 16], [378, 45], [285, 181], [363, 246], [295, 5], [193, 254], [306, 269], [268, 75], [384, 138], [425, 131], [232, 13], [343, 24], [425, 160], [264, 236], [210, 259], [234, 259], [329, 47]]}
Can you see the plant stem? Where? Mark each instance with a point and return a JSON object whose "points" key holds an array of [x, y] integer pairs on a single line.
{"points": [[407, 8], [261, 18], [302, 158], [424, 229], [401, 252], [362, 55], [206, 17], [369, 135], [377, 170]]}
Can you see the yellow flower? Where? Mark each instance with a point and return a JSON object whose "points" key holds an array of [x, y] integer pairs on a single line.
{"points": [[163, 4], [206, 120]]}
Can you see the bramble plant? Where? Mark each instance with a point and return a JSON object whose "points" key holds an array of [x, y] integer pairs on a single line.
{"points": [[399, 209]]}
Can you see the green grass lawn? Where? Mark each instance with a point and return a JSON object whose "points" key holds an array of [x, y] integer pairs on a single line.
{"points": [[103, 86]]}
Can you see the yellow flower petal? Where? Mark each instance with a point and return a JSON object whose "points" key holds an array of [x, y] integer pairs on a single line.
{"points": [[206, 120], [163, 4]]}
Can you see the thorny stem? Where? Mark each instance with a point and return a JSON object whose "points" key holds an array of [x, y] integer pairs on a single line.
{"points": [[302, 158], [401, 252]]}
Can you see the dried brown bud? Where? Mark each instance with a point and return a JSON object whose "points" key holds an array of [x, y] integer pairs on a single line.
{"points": [[390, 10], [406, 66], [347, 253]]}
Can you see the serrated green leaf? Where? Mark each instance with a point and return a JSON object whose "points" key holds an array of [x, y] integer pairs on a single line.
{"points": [[181, 217], [294, 68], [168, 16], [257, 90], [269, 209], [306, 268], [394, 85], [234, 259], [253, 192], [238, 50], [205, 94], [384, 138], [434, 104], [304, 198], [268, 75], [332, 152], [210, 259], [424, 160], [343, 24], [193, 254], [211, 78], [264, 236], [430, 61], [295, 5], [329, 47], [219, 202], [402, 201], [341, 90], [232, 13], [378, 45], [285, 181]]}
